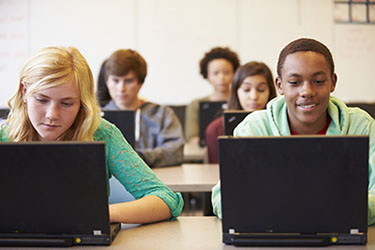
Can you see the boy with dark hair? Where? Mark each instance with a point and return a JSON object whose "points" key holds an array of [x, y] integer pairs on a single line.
{"points": [[305, 81]]}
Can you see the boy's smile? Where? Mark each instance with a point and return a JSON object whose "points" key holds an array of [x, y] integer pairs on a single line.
{"points": [[306, 82]]}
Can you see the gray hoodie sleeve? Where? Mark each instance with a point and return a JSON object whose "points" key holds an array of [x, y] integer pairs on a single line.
{"points": [[161, 140]]}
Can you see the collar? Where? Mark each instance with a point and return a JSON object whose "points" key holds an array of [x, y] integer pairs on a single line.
{"points": [[321, 132]]}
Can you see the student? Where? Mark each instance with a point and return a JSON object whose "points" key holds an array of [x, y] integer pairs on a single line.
{"points": [[306, 78], [252, 88], [218, 67], [159, 136], [55, 101]]}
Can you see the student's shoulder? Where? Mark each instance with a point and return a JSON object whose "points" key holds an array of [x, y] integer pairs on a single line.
{"points": [[253, 124], [354, 113], [360, 121], [216, 124], [105, 131], [351, 120], [215, 128], [110, 106], [156, 113], [217, 121], [258, 116], [151, 106], [358, 113], [151, 109]]}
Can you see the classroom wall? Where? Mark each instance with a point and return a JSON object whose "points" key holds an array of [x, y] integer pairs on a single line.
{"points": [[173, 35]]}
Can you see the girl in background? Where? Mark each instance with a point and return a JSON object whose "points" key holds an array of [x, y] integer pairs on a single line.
{"points": [[252, 88], [218, 67]]}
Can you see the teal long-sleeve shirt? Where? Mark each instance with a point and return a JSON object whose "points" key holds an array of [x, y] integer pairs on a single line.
{"points": [[125, 165], [344, 121]]}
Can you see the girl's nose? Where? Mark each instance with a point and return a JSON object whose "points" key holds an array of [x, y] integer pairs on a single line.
{"points": [[53, 112], [253, 94]]}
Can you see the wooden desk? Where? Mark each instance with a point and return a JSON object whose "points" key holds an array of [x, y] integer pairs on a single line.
{"points": [[194, 153], [189, 177], [192, 233], [186, 233]]}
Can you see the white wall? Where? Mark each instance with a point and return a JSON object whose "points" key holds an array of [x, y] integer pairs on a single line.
{"points": [[173, 35]]}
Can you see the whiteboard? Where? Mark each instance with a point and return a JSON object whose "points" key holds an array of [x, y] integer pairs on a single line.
{"points": [[14, 44], [355, 62], [173, 36]]}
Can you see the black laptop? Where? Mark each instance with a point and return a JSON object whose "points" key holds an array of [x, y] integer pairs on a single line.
{"points": [[3, 114], [232, 118], [124, 120], [294, 191], [54, 194], [208, 111]]}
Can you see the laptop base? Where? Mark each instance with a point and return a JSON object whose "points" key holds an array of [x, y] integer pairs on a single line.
{"points": [[25, 240], [36, 242], [292, 240]]}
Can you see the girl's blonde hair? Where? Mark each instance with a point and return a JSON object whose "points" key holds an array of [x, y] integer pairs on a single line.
{"points": [[50, 67]]}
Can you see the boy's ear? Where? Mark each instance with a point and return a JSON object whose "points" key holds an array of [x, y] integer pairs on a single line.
{"points": [[334, 81], [278, 85]]}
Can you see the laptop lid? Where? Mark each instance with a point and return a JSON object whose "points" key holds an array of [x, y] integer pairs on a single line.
{"points": [[54, 194], [294, 190], [208, 111], [124, 120], [232, 118], [4, 113]]}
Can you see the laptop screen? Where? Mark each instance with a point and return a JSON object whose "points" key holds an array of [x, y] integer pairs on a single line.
{"points": [[232, 118], [4, 113], [125, 121], [295, 184], [53, 189], [208, 111]]}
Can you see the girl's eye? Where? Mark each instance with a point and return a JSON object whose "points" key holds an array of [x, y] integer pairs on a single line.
{"points": [[261, 90], [41, 100], [67, 104]]}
